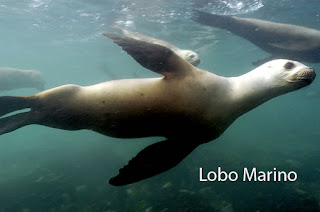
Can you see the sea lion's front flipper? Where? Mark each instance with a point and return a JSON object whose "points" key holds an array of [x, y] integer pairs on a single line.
{"points": [[213, 20], [153, 160], [294, 45], [155, 57]]}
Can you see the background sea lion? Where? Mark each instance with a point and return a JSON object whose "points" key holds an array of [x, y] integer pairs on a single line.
{"points": [[12, 78], [188, 55], [280, 40], [188, 106]]}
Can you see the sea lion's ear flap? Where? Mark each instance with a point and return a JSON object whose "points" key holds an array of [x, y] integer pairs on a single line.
{"points": [[154, 57], [153, 160]]}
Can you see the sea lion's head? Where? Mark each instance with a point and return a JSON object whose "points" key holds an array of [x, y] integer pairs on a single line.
{"points": [[36, 79], [288, 75], [272, 79], [190, 56]]}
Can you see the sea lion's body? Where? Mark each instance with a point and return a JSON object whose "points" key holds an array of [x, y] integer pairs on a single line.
{"points": [[280, 40], [132, 108], [188, 106], [12, 78]]}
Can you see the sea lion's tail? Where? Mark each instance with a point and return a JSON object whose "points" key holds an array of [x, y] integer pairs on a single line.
{"points": [[10, 104], [218, 21]]}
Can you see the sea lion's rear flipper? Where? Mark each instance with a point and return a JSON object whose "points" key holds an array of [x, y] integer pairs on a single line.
{"points": [[11, 123], [155, 57], [153, 160], [10, 104]]}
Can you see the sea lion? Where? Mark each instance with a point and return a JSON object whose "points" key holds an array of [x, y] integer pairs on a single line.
{"points": [[188, 106], [12, 78], [280, 40], [188, 55]]}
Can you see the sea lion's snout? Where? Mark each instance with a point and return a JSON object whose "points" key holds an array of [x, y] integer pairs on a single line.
{"points": [[306, 76], [310, 75], [196, 62], [190, 56]]}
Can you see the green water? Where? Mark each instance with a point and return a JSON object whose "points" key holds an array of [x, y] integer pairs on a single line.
{"points": [[45, 169]]}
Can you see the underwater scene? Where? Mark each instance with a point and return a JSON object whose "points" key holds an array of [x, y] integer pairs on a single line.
{"points": [[203, 105]]}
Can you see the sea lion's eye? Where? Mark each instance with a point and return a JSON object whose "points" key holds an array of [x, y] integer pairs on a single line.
{"points": [[288, 65], [192, 56]]}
